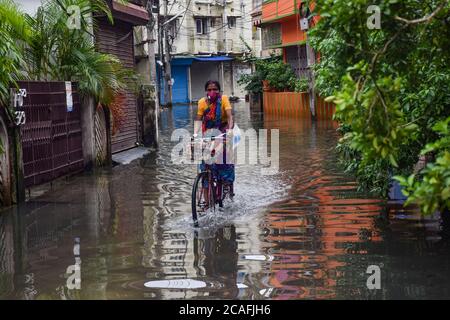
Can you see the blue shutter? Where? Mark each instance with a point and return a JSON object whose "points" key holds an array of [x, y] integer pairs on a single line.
{"points": [[180, 87]]}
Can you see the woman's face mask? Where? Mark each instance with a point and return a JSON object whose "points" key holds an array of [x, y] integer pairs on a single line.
{"points": [[213, 95]]}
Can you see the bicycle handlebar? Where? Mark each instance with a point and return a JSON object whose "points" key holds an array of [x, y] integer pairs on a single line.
{"points": [[193, 138]]}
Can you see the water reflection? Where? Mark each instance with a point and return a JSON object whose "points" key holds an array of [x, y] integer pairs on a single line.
{"points": [[305, 232], [216, 258]]}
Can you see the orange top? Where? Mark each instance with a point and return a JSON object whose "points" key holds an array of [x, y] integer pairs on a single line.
{"points": [[203, 105]]}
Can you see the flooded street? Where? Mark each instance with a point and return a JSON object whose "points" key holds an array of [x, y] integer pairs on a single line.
{"points": [[303, 233]]}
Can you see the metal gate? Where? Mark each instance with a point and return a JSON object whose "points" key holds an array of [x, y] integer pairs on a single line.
{"points": [[51, 134], [117, 39], [297, 58]]}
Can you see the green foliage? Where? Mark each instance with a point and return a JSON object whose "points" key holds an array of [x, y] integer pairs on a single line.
{"points": [[57, 52], [390, 86], [301, 85], [43, 47], [432, 192], [281, 77], [13, 32], [253, 81]]}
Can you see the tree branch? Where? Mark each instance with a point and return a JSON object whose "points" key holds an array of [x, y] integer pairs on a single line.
{"points": [[423, 19], [407, 24]]}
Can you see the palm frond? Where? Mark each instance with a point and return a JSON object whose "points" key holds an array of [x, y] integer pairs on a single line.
{"points": [[13, 32]]}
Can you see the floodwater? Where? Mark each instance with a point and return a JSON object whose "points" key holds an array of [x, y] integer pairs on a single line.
{"points": [[302, 233]]}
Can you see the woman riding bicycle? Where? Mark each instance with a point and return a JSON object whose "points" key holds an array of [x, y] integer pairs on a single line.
{"points": [[214, 112]]}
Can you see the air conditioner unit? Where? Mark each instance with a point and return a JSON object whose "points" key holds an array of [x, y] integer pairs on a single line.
{"points": [[304, 25]]}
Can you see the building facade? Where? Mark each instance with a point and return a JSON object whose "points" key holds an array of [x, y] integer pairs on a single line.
{"points": [[284, 24], [207, 40]]}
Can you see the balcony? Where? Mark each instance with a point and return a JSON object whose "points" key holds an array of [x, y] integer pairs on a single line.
{"points": [[256, 8], [205, 45], [275, 10], [130, 12]]}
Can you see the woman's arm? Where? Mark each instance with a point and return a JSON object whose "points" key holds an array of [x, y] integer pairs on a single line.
{"points": [[230, 119], [197, 125]]}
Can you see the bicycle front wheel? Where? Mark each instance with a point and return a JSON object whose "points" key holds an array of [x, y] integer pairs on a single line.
{"points": [[202, 195]]}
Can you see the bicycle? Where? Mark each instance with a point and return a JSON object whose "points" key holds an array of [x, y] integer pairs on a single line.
{"points": [[208, 189]]}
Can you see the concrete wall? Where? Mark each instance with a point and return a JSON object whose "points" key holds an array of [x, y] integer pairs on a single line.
{"points": [[87, 131], [11, 164], [149, 115], [227, 84], [238, 70], [5, 166], [188, 41], [232, 72], [204, 71], [143, 69]]}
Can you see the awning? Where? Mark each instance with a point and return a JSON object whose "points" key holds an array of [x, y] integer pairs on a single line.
{"points": [[219, 58], [181, 61], [130, 12]]}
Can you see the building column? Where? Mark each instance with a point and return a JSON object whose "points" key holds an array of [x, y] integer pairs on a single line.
{"points": [[189, 84], [87, 131], [222, 75]]}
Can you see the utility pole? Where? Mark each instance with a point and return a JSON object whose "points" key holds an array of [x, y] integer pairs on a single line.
{"points": [[167, 69], [225, 24], [225, 27], [310, 58], [152, 61], [151, 40]]}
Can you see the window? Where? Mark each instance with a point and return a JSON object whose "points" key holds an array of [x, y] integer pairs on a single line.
{"points": [[173, 27], [231, 22], [256, 33], [271, 35], [201, 25]]}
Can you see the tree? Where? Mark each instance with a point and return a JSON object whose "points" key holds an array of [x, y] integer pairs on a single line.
{"points": [[391, 87], [59, 52], [46, 47], [13, 32]]}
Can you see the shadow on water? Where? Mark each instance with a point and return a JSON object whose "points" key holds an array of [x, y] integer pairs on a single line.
{"points": [[303, 233]]}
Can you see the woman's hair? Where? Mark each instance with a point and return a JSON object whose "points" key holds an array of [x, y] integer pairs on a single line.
{"points": [[212, 82]]}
